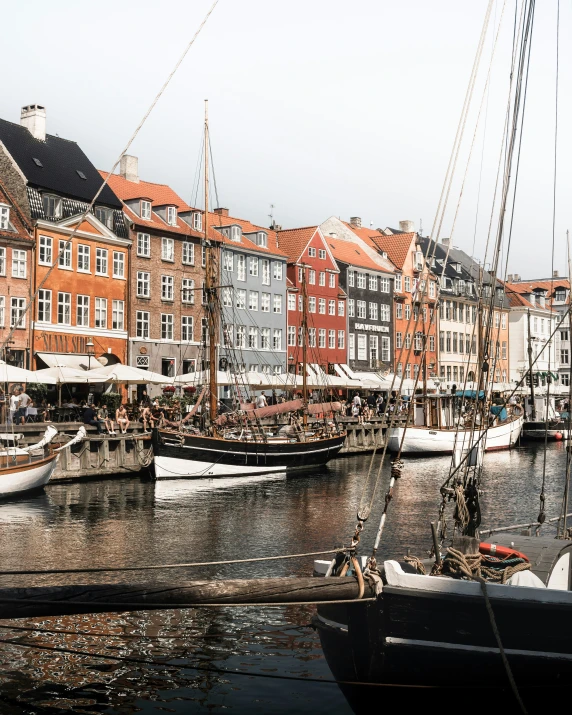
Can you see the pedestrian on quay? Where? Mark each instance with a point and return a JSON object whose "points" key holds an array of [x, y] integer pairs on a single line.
{"points": [[122, 419], [261, 400], [24, 401]]}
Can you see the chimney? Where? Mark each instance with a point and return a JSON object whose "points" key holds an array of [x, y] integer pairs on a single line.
{"points": [[33, 117], [355, 221], [407, 226], [555, 274], [516, 277], [129, 168], [509, 278], [445, 241], [221, 211]]}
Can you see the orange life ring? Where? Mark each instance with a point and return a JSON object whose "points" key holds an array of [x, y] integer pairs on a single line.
{"points": [[501, 552]]}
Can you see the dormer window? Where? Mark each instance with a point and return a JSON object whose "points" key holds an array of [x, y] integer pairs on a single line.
{"points": [[52, 206], [235, 233], [198, 221], [262, 239], [146, 210], [4, 217], [559, 294], [104, 215], [418, 259], [171, 215]]}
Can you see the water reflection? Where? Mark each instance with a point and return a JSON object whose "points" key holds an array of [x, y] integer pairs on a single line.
{"points": [[132, 521]]}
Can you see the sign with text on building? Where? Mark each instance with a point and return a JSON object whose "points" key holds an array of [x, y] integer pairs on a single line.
{"points": [[373, 328], [58, 343]]}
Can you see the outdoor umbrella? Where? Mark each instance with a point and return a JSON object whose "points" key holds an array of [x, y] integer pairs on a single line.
{"points": [[130, 375], [10, 373]]}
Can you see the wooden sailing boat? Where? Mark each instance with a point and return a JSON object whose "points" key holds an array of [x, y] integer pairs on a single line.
{"points": [[237, 444]]}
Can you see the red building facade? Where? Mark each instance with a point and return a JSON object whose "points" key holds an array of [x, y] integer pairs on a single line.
{"points": [[311, 266]]}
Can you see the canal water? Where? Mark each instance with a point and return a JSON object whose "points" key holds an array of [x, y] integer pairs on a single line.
{"points": [[138, 522]]}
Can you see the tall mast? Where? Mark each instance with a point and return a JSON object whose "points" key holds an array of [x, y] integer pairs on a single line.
{"points": [[530, 366], [304, 340], [210, 282]]}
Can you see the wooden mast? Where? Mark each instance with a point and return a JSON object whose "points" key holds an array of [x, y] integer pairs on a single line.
{"points": [[304, 343], [533, 415], [210, 282]]}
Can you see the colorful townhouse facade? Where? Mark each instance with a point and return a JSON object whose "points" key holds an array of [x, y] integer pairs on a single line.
{"points": [[16, 263], [314, 272], [416, 348], [81, 266], [253, 296], [367, 279], [166, 320]]}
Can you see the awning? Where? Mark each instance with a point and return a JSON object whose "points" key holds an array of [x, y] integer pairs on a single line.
{"points": [[78, 362]]}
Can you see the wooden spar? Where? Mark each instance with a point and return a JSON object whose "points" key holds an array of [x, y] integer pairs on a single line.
{"points": [[44, 601], [305, 337], [533, 415], [210, 282]]}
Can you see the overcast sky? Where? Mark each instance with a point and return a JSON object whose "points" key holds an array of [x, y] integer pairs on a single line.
{"points": [[321, 107]]}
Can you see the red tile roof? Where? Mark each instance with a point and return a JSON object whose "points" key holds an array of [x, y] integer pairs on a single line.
{"points": [[274, 247], [516, 292], [295, 240], [352, 253], [397, 246]]}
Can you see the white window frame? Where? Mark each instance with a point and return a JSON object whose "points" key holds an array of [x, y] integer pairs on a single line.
{"points": [[167, 249], [197, 221], [265, 272], [144, 245], [341, 308], [83, 258], [253, 266], [118, 264], [167, 326], [240, 267], [187, 328], [253, 300], [188, 291], [101, 261], [291, 301], [291, 336], [277, 303], [331, 307], [277, 339], [143, 284], [82, 311], [19, 263], [145, 210], [17, 310], [64, 308], [332, 280], [101, 313], [277, 271], [188, 253], [65, 255], [172, 215], [265, 302], [44, 306], [168, 288], [142, 319], [228, 261], [4, 217], [45, 248], [118, 315]]}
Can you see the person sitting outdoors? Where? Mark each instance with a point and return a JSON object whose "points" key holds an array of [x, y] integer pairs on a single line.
{"points": [[90, 418], [122, 419], [147, 416], [104, 420]]}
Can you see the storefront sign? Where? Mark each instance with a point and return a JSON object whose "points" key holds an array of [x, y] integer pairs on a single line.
{"points": [[55, 343], [373, 328]]}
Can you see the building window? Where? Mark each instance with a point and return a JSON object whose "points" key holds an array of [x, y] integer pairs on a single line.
{"points": [[83, 258], [265, 338], [331, 307], [361, 281], [143, 245], [322, 278], [52, 206], [146, 210], [503, 321], [253, 266], [265, 272], [277, 303], [373, 282], [253, 300], [407, 311], [227, 261], [44, 306], [171, 215], [4, 218], [227, 297], [373, 311], [407, 340], [332, 280], [235, 233], [351, 278], [321, 306], [118, 315], [82, 313], [166, 326], [65, 255], [442, 341], [312, 304], [322, 338], [291, 301], [18, 264], [188, 291], [407, 284], [351, 346], [503, 350], [383, 285], [312, 277], [397, 286], [291, 336], [448, 341], [187, 327], [105, 216], [564, 356], [399, 311], [118, 264], [322, 254], [45, 251], [241, 298], [277, 271], [253, 338], [312, 337], [341, 308], [398, 340], [341, 339], [168, 249], [241, 267], [351, 307], [17, 313], [167, 288], [227, 334], [361, 309], [455, 342], [142, 324], [385, 312], [265, 303], [385, 350], [331, 339], [362, 347], [277, 339], [564, 376], [101, 261], [64, 308], [143, 284], [189, 253], [101, 313], [312, 252]]}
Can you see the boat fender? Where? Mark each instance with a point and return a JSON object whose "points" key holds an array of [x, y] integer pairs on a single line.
{"points": [[558, 436], [501, 552]]}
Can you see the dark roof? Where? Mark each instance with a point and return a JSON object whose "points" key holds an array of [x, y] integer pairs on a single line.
{"points": [[60, 161]]}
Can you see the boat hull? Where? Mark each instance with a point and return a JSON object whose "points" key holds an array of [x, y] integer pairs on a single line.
{"points": [[197, 457], [26, 477], [422, 440]]}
